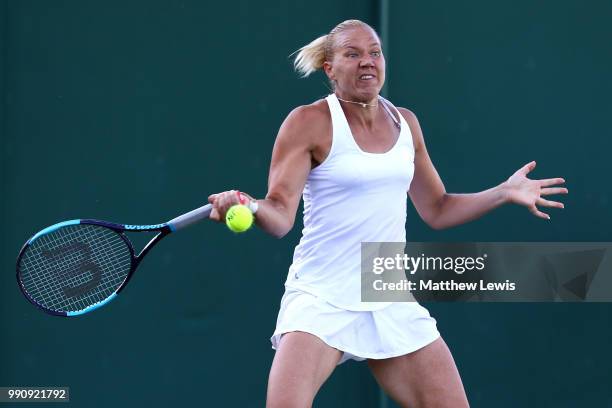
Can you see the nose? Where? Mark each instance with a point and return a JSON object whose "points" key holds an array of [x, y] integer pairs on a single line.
{"points": [[367, 61]]}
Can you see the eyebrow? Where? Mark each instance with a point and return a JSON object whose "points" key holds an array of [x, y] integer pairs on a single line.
{"points": [[356, 48]]}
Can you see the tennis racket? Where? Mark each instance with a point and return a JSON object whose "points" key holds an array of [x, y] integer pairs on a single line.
{"points": [[74, 267]]}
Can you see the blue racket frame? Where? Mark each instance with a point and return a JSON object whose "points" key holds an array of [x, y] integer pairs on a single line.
{"points": [[163, 230]]}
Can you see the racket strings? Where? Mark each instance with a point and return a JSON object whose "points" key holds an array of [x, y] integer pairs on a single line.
{"points": [[74, 267]]}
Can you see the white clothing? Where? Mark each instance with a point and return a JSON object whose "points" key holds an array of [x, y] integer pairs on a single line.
{"points": [[394, 331], [350, 198]]}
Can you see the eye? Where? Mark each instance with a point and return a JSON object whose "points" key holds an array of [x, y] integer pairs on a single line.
{"points": [[375, 54], [352, 55]]}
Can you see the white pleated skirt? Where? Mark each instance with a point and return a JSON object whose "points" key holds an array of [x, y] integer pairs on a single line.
{"points": [[398, 329]]}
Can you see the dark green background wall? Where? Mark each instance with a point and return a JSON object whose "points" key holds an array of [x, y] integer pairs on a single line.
{"points": [[136, 111]]}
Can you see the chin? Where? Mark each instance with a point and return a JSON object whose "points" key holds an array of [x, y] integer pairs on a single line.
{"points": [[369, 93]]}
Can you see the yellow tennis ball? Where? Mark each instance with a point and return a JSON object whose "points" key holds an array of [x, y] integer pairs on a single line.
{"points": [[239, 218]]}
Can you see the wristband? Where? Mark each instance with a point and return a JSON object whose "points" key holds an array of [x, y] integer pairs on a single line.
{"points": [[253, 206]]}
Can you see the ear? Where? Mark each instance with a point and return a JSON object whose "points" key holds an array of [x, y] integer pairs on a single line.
{"points": [[328, 68]]}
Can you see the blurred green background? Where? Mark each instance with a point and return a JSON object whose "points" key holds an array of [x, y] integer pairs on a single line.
{"points": [[134, 111]]}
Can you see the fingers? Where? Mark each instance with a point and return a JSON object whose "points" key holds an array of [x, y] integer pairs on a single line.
{"points": [[555, 190], [527, 168], [222, 202], [214, 215], [534, 210], [225, 200], [547, 203], [249, 198], [551, 182]]}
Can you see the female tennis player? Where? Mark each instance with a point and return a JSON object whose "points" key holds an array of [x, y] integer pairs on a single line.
{"points": [[354, 157]]}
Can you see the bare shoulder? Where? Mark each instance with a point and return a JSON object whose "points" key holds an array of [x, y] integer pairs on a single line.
{"points": [[407, 114], [415, 128], [317, 108], [307, 117], [307, 124]]}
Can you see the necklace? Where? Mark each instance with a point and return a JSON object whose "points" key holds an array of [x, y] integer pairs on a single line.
{"points": [[363, 104]]}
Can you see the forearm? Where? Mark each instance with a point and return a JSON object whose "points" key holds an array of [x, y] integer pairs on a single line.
{"points": [[457, 209], [273, 218]]}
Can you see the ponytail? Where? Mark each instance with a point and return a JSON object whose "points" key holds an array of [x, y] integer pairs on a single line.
{"points": [[311, 57]]}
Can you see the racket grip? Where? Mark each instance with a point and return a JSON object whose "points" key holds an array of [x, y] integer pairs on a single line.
{"points": [[189, 218]]}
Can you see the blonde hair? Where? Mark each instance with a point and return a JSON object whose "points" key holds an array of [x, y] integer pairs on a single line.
{"points": [[311, 57]]}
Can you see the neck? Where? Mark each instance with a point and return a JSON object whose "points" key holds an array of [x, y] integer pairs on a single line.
{"points": [[362, 103], [363, 112]]}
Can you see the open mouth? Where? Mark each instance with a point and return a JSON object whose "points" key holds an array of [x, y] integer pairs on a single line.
{"points": [[366, 77]]}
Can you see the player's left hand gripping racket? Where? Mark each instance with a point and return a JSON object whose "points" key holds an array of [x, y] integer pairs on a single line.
{"points": [[74, 267]]}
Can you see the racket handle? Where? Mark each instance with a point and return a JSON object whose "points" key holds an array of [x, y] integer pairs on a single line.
{"points": [[189, 218]]}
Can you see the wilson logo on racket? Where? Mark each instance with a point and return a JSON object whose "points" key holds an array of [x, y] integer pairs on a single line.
{"points": [[143, 227]]}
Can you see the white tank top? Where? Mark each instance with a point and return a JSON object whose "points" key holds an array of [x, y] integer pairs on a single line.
{"points": [[350, 198]]}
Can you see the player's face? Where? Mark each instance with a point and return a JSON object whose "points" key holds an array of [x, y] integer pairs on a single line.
{"points": [[358, 65]]}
